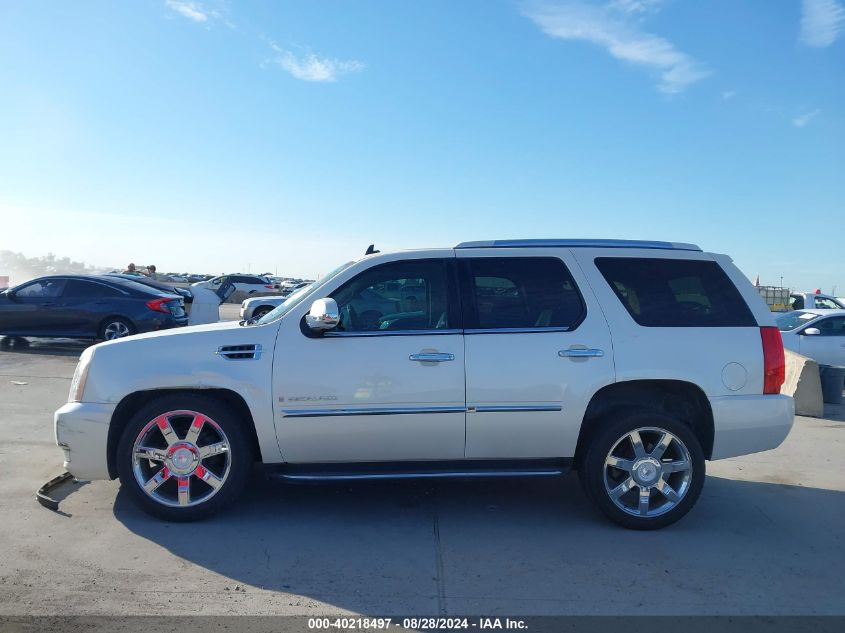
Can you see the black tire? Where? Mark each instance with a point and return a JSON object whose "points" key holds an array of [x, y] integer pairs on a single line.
{"points": [[597, 479], [118, 323], [240, 456], [261, 311]]}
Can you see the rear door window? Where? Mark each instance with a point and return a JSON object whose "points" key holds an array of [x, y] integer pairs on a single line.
{"points": [[79, 289], [524, 293], [676, 292]]}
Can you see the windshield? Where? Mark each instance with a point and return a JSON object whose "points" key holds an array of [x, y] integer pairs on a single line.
{"points": [[792, 320], [297, 297]]}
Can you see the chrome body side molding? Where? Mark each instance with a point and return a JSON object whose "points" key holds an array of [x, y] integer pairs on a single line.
{"points": [[348, 411], [519, 408], [315, 413]]}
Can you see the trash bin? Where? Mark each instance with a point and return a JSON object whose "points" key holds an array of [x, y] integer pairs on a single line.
{"points": [[833, 380]]}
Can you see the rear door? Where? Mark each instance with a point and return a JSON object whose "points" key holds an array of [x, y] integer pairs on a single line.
{"points": [[85, 303], [537, 347]]}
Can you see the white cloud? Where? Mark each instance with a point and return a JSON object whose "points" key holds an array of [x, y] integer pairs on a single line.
{"points": [[804, 119], [191, 10], [636, 6], [728, 94], [821, 22], [611, 27], [310, 67]]}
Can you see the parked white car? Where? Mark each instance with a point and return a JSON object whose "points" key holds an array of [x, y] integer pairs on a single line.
{"points": [[630, 362], [257, 307], [814, 301], [248, 284], [817, 334]]}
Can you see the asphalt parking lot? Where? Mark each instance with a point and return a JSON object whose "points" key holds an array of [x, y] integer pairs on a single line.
{"points": [[765, 538]]}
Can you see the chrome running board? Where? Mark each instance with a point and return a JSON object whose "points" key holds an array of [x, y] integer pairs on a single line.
{"points": [[373, 471]]}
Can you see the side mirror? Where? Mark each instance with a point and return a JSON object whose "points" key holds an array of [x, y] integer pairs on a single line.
{"points": [[324, 315], [11, 295], [812, 331]]}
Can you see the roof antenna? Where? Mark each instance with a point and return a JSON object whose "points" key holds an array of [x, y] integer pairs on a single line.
{"points": [[371, 249]]}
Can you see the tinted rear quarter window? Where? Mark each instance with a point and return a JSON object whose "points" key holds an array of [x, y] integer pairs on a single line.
{"points": [[676, 292], [521, 293]]}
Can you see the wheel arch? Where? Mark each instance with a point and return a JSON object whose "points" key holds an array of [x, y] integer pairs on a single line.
{"points": [[680, 399], [132, 402]]}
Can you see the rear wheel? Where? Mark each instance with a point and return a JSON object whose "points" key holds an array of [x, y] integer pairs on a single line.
{"points": [[184, 457], [115, 327], [645, 471]]}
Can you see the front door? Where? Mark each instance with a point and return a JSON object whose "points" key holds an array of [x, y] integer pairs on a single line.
{"points": [[537, 348], [34, 309], [388, 383], [828, 346]]}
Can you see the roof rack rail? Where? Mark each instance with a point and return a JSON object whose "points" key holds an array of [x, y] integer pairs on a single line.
{"points": [[581, 243]]}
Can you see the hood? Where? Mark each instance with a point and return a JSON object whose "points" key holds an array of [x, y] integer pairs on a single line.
{"points": [[189, 357], [175, 333]]}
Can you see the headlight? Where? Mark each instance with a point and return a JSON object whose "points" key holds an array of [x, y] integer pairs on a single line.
{"points": [[80, 376]]}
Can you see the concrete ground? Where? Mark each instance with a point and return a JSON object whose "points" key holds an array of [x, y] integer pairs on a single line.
{"points": [[765, 538]]}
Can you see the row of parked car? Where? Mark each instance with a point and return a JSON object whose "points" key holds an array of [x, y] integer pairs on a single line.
{"points": [[104, 307], [115, 305]]}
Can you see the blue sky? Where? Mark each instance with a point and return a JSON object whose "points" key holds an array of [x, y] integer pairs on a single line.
{"points": [[219, 136]]}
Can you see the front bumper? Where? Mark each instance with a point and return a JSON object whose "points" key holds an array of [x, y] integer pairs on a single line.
{"points": [[82, 431], [750, 424]]}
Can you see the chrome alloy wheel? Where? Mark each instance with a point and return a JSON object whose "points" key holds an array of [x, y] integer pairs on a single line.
{"points": [[115, 329], [647, 472], [181, 458]]}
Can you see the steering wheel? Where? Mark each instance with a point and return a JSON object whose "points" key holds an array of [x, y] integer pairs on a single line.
{"points": [[370, 320]]}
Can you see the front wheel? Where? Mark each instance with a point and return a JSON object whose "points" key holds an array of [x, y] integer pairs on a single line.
{"points": [[260, 312], [645, 471], [184, 457]]}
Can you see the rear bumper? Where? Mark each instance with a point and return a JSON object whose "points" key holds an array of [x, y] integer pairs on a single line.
{"points": [[162, 322], [750, 424], [82, 431]]}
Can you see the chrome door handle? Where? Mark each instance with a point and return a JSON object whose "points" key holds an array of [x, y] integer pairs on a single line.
{"points": [[431, 357], [581, 353]]}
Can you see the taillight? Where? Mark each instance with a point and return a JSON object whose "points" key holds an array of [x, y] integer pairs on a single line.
{"points": [[159, 305], [774, 364], [270, 286]]}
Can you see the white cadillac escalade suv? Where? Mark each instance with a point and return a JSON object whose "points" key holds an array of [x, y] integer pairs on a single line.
{"points": [[630, 362]]}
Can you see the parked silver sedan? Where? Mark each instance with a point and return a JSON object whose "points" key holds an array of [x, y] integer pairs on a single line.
{"points": [[257, 307]]}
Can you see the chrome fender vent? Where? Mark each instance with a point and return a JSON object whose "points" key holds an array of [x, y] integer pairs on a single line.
{"points": [[239, 352]]}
